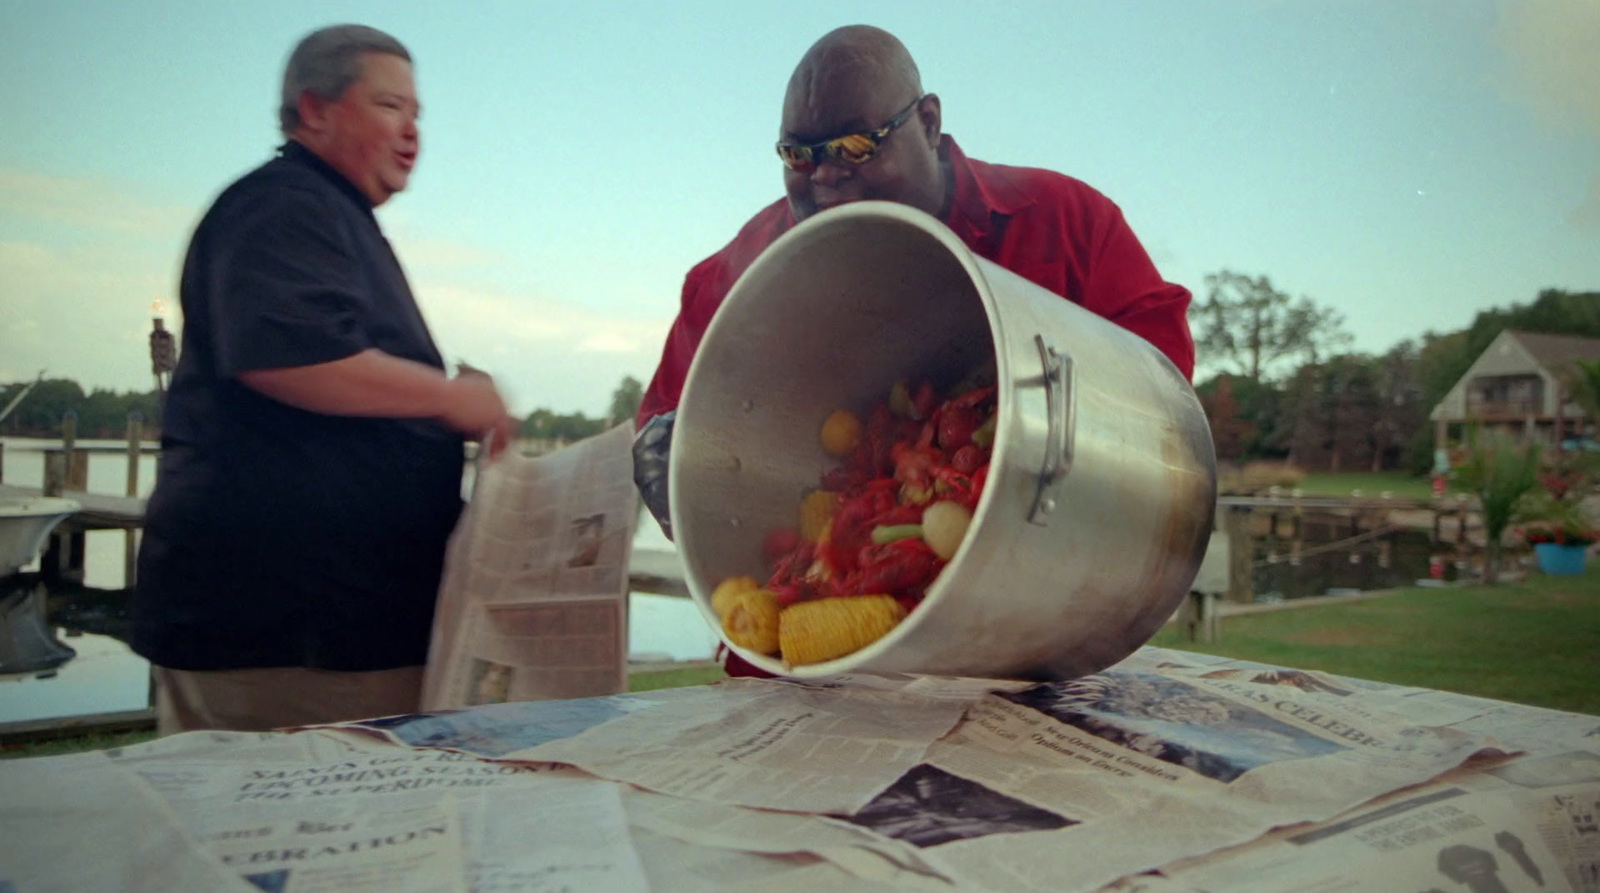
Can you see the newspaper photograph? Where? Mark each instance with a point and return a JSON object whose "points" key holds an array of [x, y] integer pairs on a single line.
{"points": [[534, 600], [510, 729]]}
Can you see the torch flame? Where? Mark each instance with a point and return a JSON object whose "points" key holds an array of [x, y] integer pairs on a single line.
{"points": [[159, 306]]}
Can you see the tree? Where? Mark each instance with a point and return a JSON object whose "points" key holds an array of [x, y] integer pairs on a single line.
{"points": [[625, 400], [1231, 434], [101, 413], [537, 424], [40, 413], [1247, 322], [1400, 408]]}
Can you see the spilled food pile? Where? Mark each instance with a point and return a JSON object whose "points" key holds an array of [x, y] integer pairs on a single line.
{"points": [[873, 538]]}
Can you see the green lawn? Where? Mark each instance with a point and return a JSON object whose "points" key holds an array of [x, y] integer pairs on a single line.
{"points": [[1536, 642], [1402, 485], [57, 746], [674, 678]]}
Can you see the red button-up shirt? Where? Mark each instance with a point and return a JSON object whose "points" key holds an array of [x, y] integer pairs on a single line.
{"points": [[1051, 229]]}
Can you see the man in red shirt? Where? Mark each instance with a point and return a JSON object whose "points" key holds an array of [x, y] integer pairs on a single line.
{"points": [[857, 125]]}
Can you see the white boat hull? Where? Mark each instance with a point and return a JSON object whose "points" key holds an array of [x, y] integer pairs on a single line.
{"points": [[25, 523]]}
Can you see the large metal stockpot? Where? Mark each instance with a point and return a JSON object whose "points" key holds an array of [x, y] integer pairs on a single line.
{"points": [[1102, 481]]}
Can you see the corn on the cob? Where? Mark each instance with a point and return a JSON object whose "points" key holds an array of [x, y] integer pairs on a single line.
{"points": [[815, 631], [752, 620], [722, 596], [816, 510]]}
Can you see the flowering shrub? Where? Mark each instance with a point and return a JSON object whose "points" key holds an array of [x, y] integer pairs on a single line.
{"points": [[1561, 535]]}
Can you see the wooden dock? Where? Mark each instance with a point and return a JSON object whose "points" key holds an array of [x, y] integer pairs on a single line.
{"points": [[655, 571]]}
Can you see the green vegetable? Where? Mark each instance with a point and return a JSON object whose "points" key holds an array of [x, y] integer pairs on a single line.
{"points": [[900, 400], [983, 436], [884, 534]]}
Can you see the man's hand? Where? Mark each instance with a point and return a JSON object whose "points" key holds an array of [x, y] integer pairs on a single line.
{"points": [[476, 409], [651, 449]]}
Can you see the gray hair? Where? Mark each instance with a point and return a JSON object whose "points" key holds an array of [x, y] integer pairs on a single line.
{"points": [[326, 62]]}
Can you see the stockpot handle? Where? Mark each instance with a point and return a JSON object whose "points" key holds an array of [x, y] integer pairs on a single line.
{"points": [[1061, 418]]}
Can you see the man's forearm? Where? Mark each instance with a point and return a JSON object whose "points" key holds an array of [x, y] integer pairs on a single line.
{"points": [[371, 383]]}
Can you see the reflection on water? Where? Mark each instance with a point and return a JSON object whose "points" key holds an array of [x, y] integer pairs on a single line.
{"points": [[108, 677], [1386, 561]]}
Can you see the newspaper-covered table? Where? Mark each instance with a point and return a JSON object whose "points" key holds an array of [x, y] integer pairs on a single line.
{"points": [[534, 600], [1171, 771]]}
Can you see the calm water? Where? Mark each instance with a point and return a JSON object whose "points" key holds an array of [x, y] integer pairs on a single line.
{"points": [[106, 676], [1386, 562]]}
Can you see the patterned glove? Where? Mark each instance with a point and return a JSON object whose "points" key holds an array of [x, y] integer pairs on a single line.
{"points": [[651, 449]]}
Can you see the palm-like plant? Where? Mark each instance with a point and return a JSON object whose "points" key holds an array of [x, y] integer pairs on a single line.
{"points": [[1580, 468], [1583, 383], [1502, 473]]}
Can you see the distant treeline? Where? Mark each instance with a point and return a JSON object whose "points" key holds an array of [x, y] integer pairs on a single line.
{"points": [[1340, 410], [104, 413], [101, 413]]}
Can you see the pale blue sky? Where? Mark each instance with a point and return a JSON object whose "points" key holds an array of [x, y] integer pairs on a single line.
{"points": [[1406, 162]]}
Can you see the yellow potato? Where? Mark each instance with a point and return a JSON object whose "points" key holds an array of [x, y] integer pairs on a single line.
{"points": [[722, 597], [944, 526], [841, 432]]}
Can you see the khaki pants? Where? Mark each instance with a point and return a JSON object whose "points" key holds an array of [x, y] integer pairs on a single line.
{"points": [[269, 698]]}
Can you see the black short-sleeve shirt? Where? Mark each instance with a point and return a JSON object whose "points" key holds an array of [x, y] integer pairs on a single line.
{"points": [[276, 536]]}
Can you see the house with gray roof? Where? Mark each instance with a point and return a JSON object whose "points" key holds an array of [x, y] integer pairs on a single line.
{"points": [[1518, 383]]}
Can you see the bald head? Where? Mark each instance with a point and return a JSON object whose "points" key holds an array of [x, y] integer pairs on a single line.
{"points": [[854, 80], [849, 61]]}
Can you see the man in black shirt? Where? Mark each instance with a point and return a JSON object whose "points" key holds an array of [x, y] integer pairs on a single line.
{"points": [[312, 442]]}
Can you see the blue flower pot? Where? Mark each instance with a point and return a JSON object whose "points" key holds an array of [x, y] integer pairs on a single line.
{"points": [[1558, 560]]}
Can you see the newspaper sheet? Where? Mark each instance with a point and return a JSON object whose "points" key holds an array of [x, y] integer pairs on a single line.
{"points": [[80, 822], [857, 850], [341, 845], [487, 825], [534, 599], [1521, 825], [764, 744], [1168, 773], [1069, 786], [569, 833], [241, 747], [672, 867]]}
